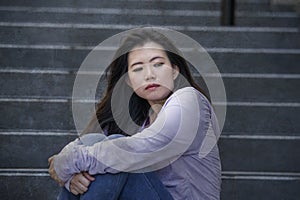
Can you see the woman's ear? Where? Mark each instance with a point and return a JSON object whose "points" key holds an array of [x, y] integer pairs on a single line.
{"points": [[175, 71]]}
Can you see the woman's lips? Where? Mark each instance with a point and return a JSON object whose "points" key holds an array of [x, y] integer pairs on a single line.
{"points": [[152, 86]]}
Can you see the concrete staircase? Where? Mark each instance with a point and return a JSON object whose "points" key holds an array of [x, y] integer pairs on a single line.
{"points": [[43, 43]]}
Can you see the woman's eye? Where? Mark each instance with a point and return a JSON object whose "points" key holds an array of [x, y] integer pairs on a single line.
{"points": [[158, 64], [137, 69]]}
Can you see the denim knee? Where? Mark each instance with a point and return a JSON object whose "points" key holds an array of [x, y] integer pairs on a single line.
{"points": [[66, 195], [114, 136], [106, 186]]}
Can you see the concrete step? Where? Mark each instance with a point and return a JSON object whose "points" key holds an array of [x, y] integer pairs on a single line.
{"points": [[131, 4], [157, 5], [228, 60], [241, 187], [28, 186], [256, 60], [89, 35], [165, 5], [239, 154], [262, 7], [259, 87], [37, 85], [137, 17], [37, 115], [233, 187], [267, 19], [41, 146], [259, 118], [252, 1], [236, 154], [142, 17], [254, 118]]}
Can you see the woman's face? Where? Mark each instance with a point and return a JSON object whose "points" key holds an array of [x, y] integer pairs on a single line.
{"points": [[150, 73]]}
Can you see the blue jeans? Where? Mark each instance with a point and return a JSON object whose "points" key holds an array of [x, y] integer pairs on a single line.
{"points": [[124, 186]]}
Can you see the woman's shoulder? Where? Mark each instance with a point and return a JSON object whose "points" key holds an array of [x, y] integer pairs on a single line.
{"points": [[186, 90], [187, 93]]}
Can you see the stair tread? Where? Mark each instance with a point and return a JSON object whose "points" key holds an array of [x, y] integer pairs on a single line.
{"points": [[261, 88], [85, 37], [281, 154]]}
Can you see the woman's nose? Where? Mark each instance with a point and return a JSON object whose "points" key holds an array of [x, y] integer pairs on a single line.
{"points": [[149, 73]]}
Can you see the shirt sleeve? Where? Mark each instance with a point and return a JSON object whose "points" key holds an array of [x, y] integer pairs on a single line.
{"points": [[153, 148], [68, 181], [67, 184]]}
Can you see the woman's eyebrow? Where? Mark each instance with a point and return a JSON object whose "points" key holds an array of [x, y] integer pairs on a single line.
{"points": [[156, 57], [137, 63], [140, 63]]}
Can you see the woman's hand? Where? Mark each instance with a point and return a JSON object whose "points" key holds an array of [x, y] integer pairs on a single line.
{"points": [[80, 183], [52, 171]]}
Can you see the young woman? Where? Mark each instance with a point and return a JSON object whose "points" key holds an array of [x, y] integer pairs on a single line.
{"points": [[156, 152]]}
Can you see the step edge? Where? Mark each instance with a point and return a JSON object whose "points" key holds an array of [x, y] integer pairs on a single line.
{"points": [[236, 175], [131, 26], [85, 100], [222, 136], [11, 70], [111, 48]]}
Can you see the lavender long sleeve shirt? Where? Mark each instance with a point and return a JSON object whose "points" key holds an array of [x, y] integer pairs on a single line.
{"points": [[181, 146]]}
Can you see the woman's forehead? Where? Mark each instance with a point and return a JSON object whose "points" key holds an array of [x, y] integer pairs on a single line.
{"points": [[146, 55], [148, 45]]}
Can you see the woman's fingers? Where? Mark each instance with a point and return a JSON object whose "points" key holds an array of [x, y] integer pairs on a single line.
{"points": [[73, 190], [50, 160], [79, 183], [88, 176], [76, 189], [83, 180]]}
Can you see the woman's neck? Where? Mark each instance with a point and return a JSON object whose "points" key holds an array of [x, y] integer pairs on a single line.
{"points": [[155, 109]]}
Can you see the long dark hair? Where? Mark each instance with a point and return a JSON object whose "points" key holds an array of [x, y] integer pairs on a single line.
{"points": [[107, 116]]}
